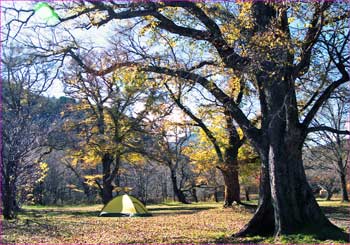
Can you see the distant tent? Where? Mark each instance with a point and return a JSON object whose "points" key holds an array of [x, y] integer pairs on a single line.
{"points": [[124, 205]]}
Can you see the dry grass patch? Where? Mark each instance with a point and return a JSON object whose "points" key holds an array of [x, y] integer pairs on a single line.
{"points": [[171, 223], [194, 223]]}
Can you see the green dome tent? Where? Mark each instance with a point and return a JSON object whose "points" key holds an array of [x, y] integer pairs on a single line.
{"points": [[124, 205]]}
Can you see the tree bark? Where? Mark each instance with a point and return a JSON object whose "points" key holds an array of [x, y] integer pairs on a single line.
{"points": [[286, 203], [231, 181], [177, 192], [298, 209], [262, 222], [216, 195], [230, 166], [9, 190], [164, 189], [8, 200], [246, 192], [87, 191], [345, 196], [194, 194], [107, 188], [329, 195]]}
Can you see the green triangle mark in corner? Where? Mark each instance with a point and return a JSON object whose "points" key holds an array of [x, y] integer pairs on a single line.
{"points": [[45, 11]]}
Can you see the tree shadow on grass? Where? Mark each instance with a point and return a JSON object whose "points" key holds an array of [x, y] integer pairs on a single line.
{"points": [[167, 210], [177, 210], [341, 213], [180, 208], [251, 208], [54, 213]]}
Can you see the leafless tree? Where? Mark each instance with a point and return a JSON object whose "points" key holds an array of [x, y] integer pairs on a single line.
{"points": [[26, 121], [330, 150]]}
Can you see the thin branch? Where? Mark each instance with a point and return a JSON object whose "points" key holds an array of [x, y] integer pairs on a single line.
{"points": [[199, 122], [320, 101], [328, 129]]}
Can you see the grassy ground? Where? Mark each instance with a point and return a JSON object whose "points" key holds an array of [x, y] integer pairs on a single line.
{"points": [[171, 223]]}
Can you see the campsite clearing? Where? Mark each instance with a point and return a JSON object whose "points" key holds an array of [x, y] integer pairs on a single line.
{"points": [[170, 223]]}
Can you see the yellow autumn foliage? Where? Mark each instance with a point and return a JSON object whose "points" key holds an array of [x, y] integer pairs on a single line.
{"points": [[91, 159], [134, 158], [44, 169], [245, 15], [90, 180]]}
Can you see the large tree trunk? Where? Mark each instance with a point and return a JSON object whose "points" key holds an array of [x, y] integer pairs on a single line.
{"points": [[345, 196], [9, 204], [286, 203], [295, 207], [262, 222], [8, 199], [229, 168], [177, 192], [107, 188], [107, 192], [232, 189], [285, 196]]}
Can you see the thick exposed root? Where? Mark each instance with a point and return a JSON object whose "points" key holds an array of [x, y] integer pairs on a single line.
{"points": [[261, 224]]}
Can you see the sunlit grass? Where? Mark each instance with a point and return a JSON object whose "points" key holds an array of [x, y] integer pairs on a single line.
{"points": [[172, 222]]}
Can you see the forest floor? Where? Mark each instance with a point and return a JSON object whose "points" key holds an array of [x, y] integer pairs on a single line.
{"points": [[170, 223]]}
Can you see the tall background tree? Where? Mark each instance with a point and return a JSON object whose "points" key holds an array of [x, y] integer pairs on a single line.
{"points": [[329, 150], [167, 147], [26, 120], [226, 145], [112, 125]]}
